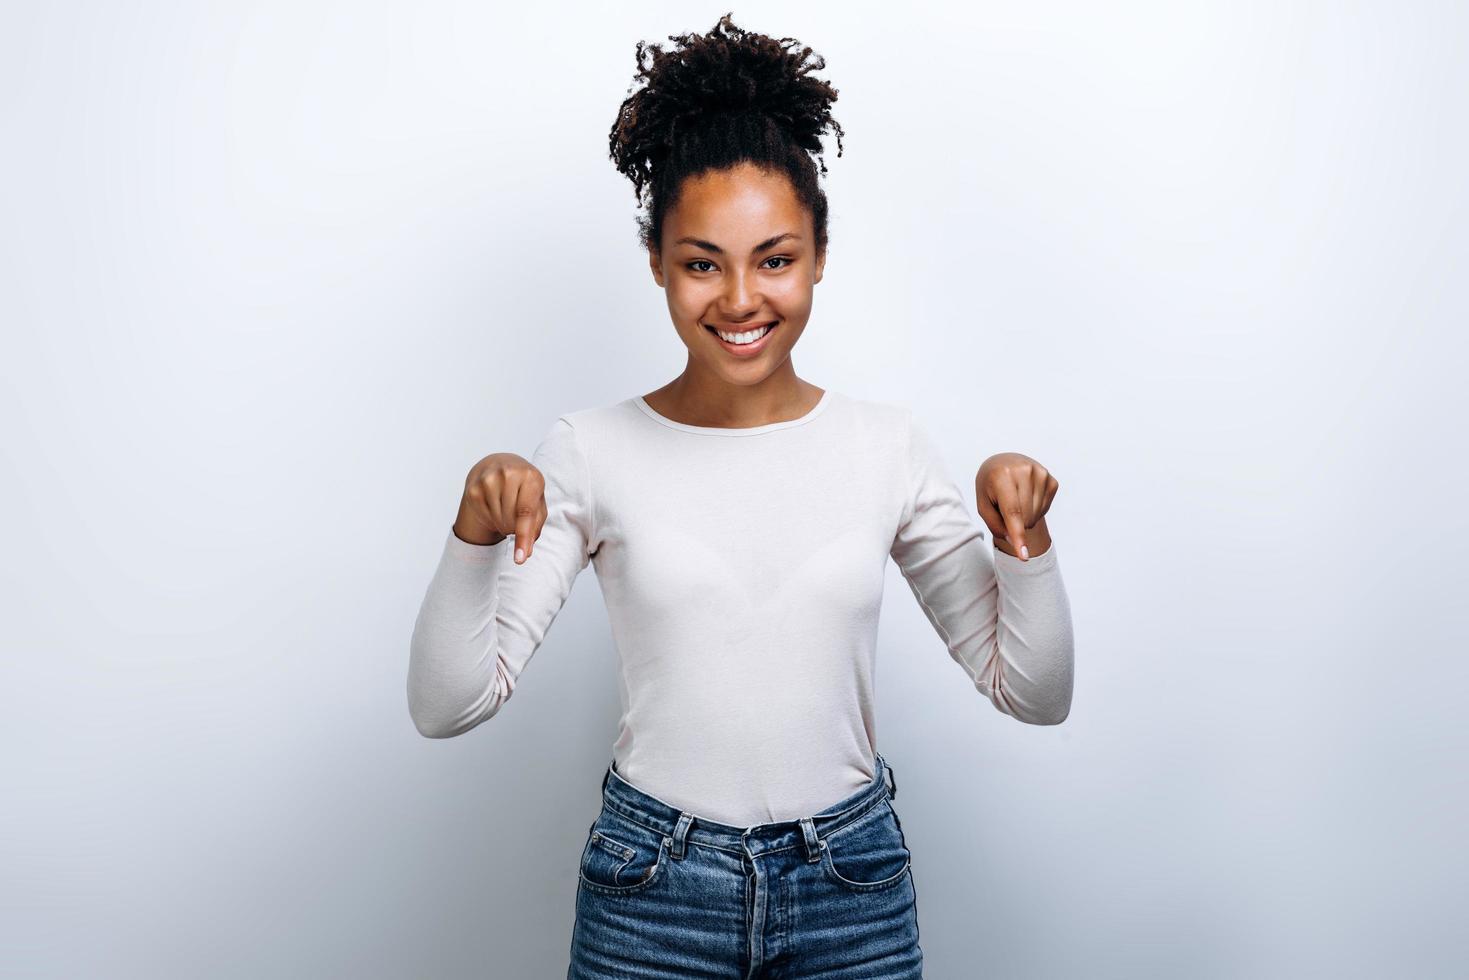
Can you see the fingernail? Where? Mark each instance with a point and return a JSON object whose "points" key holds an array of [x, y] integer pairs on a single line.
{"points": [[520, 554], [1024, 552]]}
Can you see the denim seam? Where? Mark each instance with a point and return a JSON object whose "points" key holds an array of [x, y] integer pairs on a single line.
{"points": [[637, 886], [851, 823], [856, 811], [867, 886]]}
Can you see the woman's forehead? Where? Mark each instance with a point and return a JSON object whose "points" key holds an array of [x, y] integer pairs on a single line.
{"points": [[737, 211]]}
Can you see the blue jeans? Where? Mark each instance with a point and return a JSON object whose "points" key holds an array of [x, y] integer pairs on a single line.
{"points": [[667, 894]]}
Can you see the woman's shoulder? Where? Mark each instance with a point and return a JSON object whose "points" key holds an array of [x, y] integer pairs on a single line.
{"points": [[595, 424], [872, 413], [607, 413]]}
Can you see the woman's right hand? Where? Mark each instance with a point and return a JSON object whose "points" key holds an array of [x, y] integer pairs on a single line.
{"points": [[504, 494]]}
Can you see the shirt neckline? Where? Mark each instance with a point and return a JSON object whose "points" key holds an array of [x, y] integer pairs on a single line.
{"points": [[719, 430]]}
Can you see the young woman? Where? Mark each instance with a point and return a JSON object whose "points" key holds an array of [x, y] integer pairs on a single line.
{"points": [[740, 519]]}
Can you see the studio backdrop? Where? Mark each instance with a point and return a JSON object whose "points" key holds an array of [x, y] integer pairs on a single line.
{"points": [[273, 276]]}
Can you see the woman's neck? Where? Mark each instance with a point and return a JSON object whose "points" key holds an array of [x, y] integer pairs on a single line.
{"points": [[723, 405]]}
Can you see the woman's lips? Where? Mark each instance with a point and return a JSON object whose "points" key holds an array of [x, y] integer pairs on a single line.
{"points": [[744, 350]]}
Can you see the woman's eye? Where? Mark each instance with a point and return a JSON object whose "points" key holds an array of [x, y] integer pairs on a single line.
{"points": [[696, 263]]}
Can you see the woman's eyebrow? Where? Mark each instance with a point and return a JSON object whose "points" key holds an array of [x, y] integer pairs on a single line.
{"points": [[711, 247]]}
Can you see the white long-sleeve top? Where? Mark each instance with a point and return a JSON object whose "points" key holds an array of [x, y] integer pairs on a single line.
{"points": [[743, 572]]}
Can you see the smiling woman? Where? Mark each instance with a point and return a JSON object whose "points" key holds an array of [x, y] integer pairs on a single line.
{"points": [[718, 146], [740, 520], [751, 295]]}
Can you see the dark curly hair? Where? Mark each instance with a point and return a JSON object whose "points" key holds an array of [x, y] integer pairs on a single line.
{"points": [[723, 98]]}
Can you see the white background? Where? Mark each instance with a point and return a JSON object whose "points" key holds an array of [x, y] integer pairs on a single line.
{"points": [[274, 275]]}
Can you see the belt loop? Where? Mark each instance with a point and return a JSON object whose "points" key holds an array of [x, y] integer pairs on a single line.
{"points": [[892, 779], [680, 833], [606, 776], [813, 845]]}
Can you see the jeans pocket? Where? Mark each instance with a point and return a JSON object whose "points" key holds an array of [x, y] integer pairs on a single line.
{"points": [[621, 856], [869, 853]]}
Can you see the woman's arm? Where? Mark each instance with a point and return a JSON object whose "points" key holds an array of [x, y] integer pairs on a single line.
{"points": [[484, 616], [1005, 620]]}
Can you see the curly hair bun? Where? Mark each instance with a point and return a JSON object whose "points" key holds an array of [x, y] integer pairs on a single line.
{"points": [[718, 99]]}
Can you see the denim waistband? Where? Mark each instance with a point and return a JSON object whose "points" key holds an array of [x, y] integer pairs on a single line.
{"points": [[680, 825]]}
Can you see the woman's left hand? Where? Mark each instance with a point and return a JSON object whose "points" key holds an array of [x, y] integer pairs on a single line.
{"points": [[1013, 493]]}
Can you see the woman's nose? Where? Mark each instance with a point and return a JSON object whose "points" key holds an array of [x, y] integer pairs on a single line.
{"points": [[741, 297]]}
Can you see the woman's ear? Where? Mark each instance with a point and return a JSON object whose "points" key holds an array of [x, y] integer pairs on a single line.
{"points": [[656, 264], [820, 265]]}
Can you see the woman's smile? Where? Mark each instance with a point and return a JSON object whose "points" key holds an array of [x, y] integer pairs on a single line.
{"points": [[750, 347]]}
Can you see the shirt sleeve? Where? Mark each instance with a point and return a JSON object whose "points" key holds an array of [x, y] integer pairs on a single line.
{"points": [[484, 616], [1007, 622]]}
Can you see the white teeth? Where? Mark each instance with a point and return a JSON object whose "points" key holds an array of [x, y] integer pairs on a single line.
{"points": [[745, 338]]}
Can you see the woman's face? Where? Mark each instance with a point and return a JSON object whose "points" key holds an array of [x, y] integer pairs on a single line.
{"points": [[737, 253]]}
